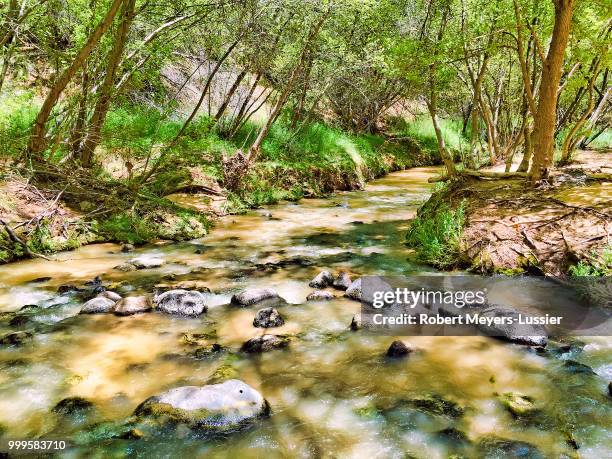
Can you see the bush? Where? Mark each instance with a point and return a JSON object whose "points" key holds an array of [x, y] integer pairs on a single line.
{"points": [[436, 235], [596, 267]]}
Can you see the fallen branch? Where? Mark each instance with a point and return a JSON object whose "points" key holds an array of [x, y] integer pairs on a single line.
{"points": [[480, 174], [17, 240]]}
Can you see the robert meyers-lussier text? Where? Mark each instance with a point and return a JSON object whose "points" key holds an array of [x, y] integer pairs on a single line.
{"points": [[468, 319]]}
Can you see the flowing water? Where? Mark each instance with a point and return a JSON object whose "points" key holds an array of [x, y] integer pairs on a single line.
{"points": [[332, 392]]}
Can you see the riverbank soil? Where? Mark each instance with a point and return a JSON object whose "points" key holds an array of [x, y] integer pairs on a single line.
{"points": [[513, 227]]}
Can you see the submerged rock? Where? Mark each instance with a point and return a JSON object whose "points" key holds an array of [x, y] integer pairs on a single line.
{"points": [[578, 368], [208, 351], [16, 338], [125, 267], [268, 318], [436, 404], [398, 349], [132, 305], [182, 302], [500, 448], [98, 305], [354, 290], [65, 288], [322, 280], [72, 405], [343, 281], [252, 296], [320, 295], [266, 343], [517, 404], [224, 406]]}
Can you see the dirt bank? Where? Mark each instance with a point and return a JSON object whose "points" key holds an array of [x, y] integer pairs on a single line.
{"points": [[511, 227]]}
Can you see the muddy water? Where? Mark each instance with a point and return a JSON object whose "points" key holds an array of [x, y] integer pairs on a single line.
{"points": [[332, 393]]}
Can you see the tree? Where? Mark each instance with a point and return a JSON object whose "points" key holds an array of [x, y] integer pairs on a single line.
{"points": [[546, 112]]}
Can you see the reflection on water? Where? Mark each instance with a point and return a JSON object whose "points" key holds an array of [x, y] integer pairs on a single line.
{"points": [[332, 392]]}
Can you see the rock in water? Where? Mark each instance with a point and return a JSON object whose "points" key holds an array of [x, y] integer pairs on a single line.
{"points": [[127, 248], [16, 339], [398, 349], [320, 295], [110, 295], [517, 404], [531, 335], [98, 305], [356, 323], [72, 405], [224, 406], [146, 262], [343, 281], [132, 305], [252, 296], [265, 343], [182, 302], [322, 280], [354, 290], [268, 318]]}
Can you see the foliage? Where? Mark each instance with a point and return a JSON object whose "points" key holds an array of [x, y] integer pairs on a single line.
{"points": [[436, 235], [596, 265]]}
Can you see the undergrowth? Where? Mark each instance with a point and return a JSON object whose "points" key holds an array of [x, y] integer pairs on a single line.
{"points": [[436, 236]]}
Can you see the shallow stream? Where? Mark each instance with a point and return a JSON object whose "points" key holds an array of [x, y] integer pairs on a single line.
{"points": [[332, 392]]}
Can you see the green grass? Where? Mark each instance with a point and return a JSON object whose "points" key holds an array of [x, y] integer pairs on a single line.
{"points": [[17, 113], [422, 131], [436, 235], [597, 266]]}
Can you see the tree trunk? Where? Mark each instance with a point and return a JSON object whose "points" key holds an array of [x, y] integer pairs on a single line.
{"points": [[107, 89], [38, 143], [444, 153], [230, 94], [546, 114]]}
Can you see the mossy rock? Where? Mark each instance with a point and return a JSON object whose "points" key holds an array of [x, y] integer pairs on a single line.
{"points": [[223, 373], [72, 405], [519, 405], [436, 404], [493, 448]]}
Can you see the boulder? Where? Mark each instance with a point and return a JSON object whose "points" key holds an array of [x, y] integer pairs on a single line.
{"points": [[252, 296], [110, 295], [146, 262], [132, 305], [98, 305], [182, 302], [342, 281], [322, 280], [268, 318], [354, 290], [320, 295], [398, 349], [266, 343], [215, 407]]}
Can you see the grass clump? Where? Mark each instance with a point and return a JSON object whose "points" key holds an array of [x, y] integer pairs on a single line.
{"points": [[436, 235], [596, 266]]}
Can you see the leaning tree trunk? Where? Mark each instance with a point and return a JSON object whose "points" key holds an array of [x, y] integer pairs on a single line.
{"points": [[92, 140], [38, 143], [546, 114]]}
